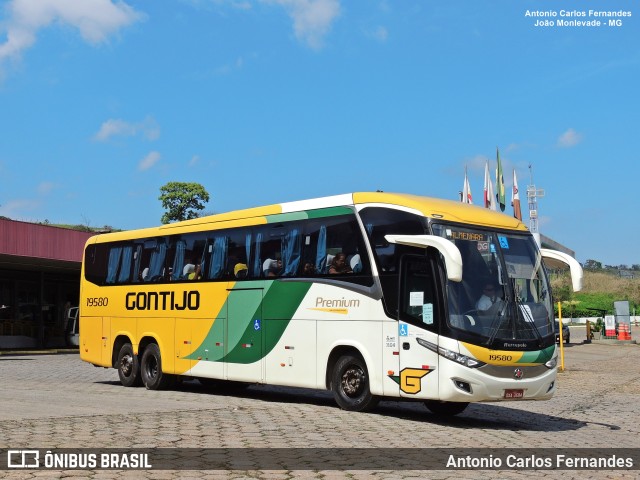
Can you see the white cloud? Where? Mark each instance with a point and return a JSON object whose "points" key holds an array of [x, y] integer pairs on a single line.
{"points": [[229, 67], [379, 33], [95, 19], [149, 161], [45, 188], [148, 128], [312, 19], [570, 138], [16, 208], [194, 160]]}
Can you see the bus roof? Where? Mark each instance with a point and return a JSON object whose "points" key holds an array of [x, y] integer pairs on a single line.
{"points": [[447, 210]]}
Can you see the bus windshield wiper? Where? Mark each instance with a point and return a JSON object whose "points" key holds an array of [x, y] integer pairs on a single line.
{"points": [[497, 322], [527, 316]]}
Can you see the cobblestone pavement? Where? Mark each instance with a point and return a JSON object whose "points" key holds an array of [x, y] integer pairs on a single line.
{"points": [[57, 401]]}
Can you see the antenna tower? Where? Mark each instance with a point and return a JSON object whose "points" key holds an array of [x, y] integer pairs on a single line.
{"points": [[533, 194]]}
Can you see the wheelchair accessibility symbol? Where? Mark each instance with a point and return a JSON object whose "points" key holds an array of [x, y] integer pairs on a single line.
{"points": [[404, 329], [256, 324]]}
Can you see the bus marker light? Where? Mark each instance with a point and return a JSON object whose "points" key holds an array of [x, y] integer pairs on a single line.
{"points": [[247, 345], [187, 342], [426, 367], [396, 353], [218, 344], [390, 372], [287, 347], [283, 365]]}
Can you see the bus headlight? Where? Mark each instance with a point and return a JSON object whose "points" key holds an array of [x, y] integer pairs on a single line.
{"points": [[450, 355], [553, 363]]}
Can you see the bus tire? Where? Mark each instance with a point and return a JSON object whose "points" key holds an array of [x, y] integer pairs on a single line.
{"points": [[128, 367], [350, 384], [151, 369], [445, 408]]}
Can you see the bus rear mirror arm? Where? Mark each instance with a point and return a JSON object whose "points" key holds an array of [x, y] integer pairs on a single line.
{"points": [[448, 250], [556, 259]]}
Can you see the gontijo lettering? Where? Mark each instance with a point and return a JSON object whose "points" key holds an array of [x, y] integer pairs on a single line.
{"points": [[163, 300]]}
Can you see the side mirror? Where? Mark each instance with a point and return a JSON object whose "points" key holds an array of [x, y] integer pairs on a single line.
{"points": [[556, 259], [451, 254]]}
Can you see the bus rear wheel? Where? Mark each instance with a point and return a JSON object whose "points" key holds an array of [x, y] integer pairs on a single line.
{"points": [[445, 408], [350, 384], [151, 369], [128, 367]]}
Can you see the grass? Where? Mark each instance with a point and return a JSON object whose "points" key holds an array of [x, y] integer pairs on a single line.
{"points": [[599, 291]]}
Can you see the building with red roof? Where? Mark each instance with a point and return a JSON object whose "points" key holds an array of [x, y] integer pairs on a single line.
{"points": [[39, 282]]}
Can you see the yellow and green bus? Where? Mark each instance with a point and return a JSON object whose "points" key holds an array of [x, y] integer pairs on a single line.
{"points": [[369, 295]]}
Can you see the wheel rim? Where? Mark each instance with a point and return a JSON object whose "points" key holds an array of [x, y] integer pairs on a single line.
{"points": [[126, 365], [152, 367], [353, 381]]}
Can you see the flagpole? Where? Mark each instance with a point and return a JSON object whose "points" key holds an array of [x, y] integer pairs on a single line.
{"points": [[500, 190]]}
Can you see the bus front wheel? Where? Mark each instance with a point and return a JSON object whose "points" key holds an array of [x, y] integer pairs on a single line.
{"points": [[128, 366], [151, 369], [350, 384], [446, 408]]}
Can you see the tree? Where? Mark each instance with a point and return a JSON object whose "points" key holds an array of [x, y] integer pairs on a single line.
{"points": [[593, 265], [182, 200]]}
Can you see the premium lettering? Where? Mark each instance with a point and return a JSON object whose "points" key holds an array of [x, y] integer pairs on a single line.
{"points": [[336, 303]]}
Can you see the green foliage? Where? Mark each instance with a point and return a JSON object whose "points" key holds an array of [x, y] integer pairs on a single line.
{"points": [[182, 200], [600, 290], [598, 326], [593, 265]]}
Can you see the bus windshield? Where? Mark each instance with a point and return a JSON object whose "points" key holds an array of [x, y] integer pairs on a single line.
{"points": [[504, 295]]}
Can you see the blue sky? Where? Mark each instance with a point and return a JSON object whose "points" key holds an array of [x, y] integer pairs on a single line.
{"points": [[104, 101]]}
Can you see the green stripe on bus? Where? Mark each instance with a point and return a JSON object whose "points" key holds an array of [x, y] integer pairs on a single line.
{"points": [[279, 305], [539, 356], [329, 212], [309, 214], [246, 341], [286, 217]]}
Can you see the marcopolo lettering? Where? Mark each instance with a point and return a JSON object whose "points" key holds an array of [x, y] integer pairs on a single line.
{"points": [[163, 300]]}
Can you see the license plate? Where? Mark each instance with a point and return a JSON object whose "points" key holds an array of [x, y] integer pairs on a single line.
{"points": [[514, 393]]}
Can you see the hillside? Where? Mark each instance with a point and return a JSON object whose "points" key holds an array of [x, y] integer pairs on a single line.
{"points": [[600, 290]]}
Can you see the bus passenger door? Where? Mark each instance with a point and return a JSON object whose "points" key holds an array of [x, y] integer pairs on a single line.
{"points": [[243, 345], [417, 329]]}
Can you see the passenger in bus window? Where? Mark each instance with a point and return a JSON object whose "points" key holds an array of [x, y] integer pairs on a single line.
{"points": [[187, 270], [308, 269], [196, 272], [339, 264], [272, 268], [240, 271], [489, 298]]}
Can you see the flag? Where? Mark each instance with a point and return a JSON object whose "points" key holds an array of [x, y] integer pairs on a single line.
{"points": [[466, 189], [500, 191], [488, 189], [515, 198]]}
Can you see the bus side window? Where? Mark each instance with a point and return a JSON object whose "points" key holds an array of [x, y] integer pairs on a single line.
{"points": [[96, 259], [238, 251], [157, 263], [326, 238], [216, 267]]}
